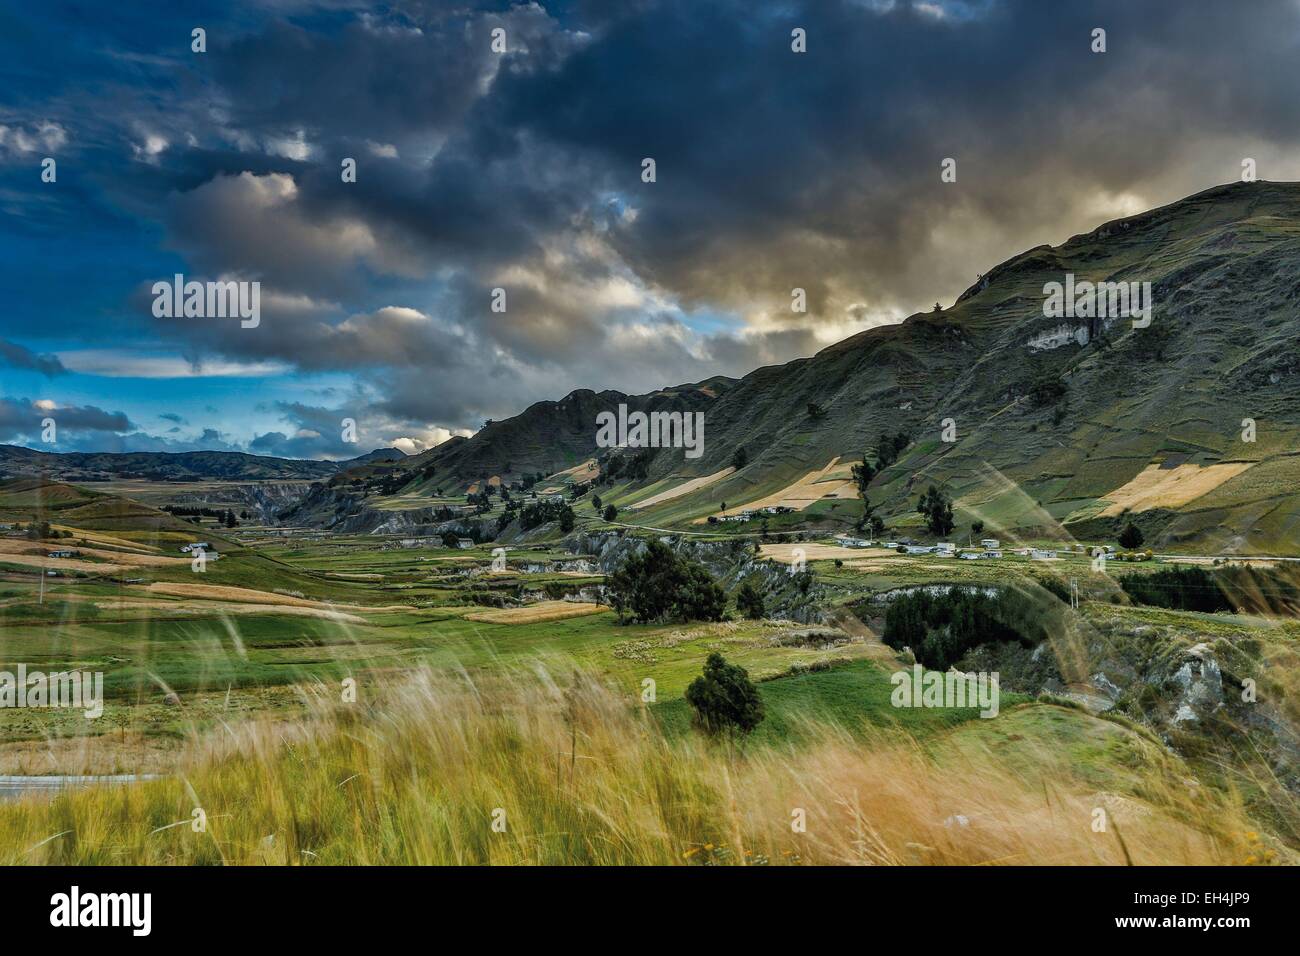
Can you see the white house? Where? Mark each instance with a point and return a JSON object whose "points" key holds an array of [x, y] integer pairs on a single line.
{"points": [[464, 542], [919, 549], [945, 549], [990, 544], [970, 555], [1041, 554], [196, 546]]}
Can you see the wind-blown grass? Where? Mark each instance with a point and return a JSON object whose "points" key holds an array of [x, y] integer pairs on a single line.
{"points": [[577, 775]]}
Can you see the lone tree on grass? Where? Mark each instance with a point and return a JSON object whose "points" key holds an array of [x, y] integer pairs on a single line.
{"points": [[937, 509], [1131, 537], [724, 699]]}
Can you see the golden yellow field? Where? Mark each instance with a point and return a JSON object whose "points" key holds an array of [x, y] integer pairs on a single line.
{"points": [[1156, 487], [685, 488], [832, 481], [533, 613]]}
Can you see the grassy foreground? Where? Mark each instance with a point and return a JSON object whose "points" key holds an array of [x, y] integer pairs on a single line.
{"points": [[573, 774]]}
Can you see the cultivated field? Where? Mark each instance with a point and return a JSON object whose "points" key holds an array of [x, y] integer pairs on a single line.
{"points": [[369, 698]]}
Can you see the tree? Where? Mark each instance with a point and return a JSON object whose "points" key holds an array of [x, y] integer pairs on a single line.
{"points": [[656, 584], [610, 513], [740, 458], [977, 527], [566, 520], [862, 475], [724, 699], [750, 602], [937, 509], [1046, 389], [1131, 537], [815, 411]]}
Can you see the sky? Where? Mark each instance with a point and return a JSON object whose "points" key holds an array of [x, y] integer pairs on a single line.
{"points": [[501, 145]]}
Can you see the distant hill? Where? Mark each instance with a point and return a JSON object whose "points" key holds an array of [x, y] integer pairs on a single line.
{"points": [[379, 454], [548, 437], [1063, 427], [16, 461]]}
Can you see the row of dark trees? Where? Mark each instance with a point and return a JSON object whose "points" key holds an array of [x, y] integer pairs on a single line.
{"points": [[941, 628]]}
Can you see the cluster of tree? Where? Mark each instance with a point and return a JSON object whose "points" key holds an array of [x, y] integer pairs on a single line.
{"points": [[1177, 588], [539, 512], [528, 480], [936, 507], [657, 585], [390, 483], [482, 501], [887, 450], [473, 530], [749, 602], [41, 530], [941, 628], [1045, 388], [507, 516], [225, 517], [578, 489], [724, 701], [632, 467]]}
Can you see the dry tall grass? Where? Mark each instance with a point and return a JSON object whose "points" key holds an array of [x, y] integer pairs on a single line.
{"points": [[580, 777]]}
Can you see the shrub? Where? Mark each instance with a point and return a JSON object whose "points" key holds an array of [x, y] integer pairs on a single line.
{"points": [[724, 699], [1131, 537]]}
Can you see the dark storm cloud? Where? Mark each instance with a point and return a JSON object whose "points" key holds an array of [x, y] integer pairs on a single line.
{"points": [[775, 170], [24, 417], [18, 356]]}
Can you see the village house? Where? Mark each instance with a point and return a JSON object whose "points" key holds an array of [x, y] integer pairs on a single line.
{"points": [[63, 553], [945, 550], [464, 543], [196, 546], [989, 544]]}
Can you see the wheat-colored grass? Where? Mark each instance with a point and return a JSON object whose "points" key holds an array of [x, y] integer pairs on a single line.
{"points": [[573, 773]]}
